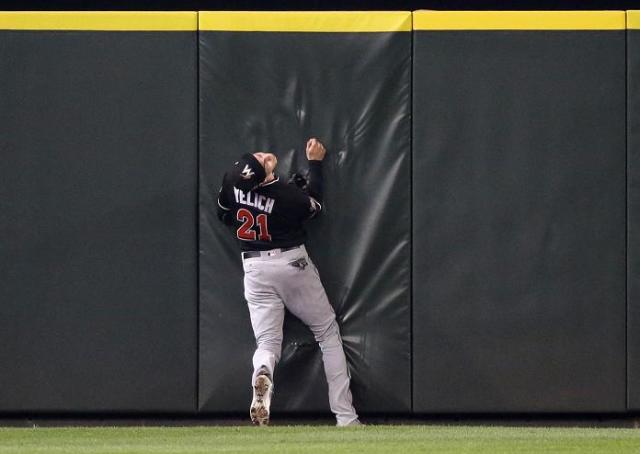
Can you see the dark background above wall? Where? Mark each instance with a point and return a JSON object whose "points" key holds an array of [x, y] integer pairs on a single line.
{"points": [[312, 5]]}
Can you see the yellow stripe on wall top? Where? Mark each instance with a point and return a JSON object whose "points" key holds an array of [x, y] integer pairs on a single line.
{"points": [[312, 21], [100, 20], [633, 20], [519, 20]]}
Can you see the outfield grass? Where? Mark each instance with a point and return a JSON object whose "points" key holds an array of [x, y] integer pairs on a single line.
{"points": [[318, 439]]}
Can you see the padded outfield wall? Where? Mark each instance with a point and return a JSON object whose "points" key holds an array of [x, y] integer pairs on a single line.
{"points": [[98, 135], [633, 218], [344, 78], [519, 211], [477, 227]]}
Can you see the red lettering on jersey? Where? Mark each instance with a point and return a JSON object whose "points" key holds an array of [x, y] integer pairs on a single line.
{"points": [[264, 229], [245, 231]]}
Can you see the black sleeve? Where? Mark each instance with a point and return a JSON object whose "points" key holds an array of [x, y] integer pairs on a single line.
{"points": [[314, 188], [315, 180], [223, 207]]}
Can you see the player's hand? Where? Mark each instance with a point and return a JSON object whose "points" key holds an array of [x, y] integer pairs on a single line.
{"points": [[315, 150]]}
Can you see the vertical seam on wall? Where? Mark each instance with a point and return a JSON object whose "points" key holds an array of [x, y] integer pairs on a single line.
{"points": [[627, 198], [197, 393], [411, 125]]}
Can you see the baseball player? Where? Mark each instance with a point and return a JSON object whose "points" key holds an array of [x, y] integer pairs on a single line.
{"points": [[267, 216]]}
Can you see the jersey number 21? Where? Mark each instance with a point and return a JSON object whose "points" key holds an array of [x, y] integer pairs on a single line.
{"points": [[246, 232]]}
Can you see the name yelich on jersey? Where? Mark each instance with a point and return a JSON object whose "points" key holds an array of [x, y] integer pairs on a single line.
{"points": [[254, 200]]}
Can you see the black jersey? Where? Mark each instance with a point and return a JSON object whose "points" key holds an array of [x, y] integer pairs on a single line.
{"points": [[272, 215]]}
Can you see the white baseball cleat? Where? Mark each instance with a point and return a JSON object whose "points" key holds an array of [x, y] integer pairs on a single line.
{"points": [[261, 400], [353, 423]]}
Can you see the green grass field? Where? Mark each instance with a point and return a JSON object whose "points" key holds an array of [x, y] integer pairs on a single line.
{"points": [[318, 439]]}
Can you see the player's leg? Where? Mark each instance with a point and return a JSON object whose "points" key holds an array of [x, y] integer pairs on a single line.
{"points": [[305, 297], [266, 311], [337, 373], [267, 329]]}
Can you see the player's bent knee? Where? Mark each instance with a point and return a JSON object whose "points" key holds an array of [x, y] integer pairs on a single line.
{"points": [[330, 335]]}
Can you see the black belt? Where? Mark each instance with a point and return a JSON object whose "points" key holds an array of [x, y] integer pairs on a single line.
{"points": [[254, 254]]}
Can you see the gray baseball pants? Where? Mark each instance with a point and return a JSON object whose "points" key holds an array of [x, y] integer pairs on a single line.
{"points": [[276, 280]]}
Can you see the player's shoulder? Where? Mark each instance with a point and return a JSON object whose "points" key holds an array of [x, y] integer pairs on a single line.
{"points": [[280, 186], [275, 183], [281, 190]]}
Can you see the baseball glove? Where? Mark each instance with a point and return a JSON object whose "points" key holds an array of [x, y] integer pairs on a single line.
{"points": [[299, 180]]}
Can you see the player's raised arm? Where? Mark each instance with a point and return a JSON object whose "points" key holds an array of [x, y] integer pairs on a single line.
{"points": [[315, 154]]}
